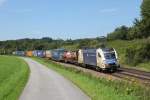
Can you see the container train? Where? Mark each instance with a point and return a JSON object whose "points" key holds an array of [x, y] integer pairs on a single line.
{"points": [[100, 59]]}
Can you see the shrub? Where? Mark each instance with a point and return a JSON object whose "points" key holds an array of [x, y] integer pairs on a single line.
{"points": [[138, 54]]}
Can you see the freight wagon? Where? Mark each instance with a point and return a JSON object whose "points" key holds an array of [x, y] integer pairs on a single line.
{"points": [[48, 54], [39, 53], [14, 53], [101, 59], [29, 53], [71, 56], [19, 53], [57, 54], [35, 53], [89, 57]]}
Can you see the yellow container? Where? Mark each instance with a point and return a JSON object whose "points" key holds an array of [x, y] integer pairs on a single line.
{"points": [[29, 53]]}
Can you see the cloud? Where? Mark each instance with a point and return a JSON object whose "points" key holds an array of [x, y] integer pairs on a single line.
{"points": [[109, 10], [2, 2]]}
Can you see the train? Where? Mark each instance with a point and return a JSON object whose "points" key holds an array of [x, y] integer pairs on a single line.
{"points": [[105, 59]]}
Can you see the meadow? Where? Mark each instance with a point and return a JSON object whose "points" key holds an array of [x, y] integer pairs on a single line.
{"points": [[14, 73], [100, 88]]}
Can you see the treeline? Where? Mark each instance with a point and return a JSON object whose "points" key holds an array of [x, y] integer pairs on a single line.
{"points": [[140, 29], [46, 43]]}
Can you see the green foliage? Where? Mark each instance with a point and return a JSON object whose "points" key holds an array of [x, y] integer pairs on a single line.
{"points": [[119, 33], [7, 47], [138, 54], [13, 76], [135, 32], [145, 9]]}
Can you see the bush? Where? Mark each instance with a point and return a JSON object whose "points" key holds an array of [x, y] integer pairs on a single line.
{"points": [[120, 33], [138, 54]]}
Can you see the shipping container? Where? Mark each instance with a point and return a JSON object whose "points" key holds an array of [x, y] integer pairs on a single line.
{"points": [[48, 54], [57, 54], [35, 53], [70, 56], [29, 53], [40, 53], [14, 52], [89, 57], [19, 53]]}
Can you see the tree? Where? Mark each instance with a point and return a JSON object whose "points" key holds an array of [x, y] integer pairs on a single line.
{"points": [[145, 9], [145, 23], [119, 33]]}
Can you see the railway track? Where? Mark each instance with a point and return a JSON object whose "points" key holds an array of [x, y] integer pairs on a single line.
{"points": [[131, 74], [135, 71], [122, 73]]}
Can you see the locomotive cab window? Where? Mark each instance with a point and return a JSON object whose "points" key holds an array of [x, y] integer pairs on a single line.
{"points": [[110, 55], [99, 55]]}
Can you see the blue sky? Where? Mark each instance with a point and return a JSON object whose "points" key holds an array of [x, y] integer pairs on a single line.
{"points": [[64, 18]]}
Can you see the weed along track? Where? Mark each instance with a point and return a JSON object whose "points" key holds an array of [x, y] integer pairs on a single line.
{"points": [[132, 77], [87, 70], [139, 72], [121, 74], [131, 74]]}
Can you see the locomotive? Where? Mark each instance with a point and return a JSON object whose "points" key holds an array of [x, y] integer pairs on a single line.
{"points": [[100, 59]]}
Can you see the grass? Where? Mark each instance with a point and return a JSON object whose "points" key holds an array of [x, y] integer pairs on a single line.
{"points": [[98, 88], [144, 66], [14, 73]]}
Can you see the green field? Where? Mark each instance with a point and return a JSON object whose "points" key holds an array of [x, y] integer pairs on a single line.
{"points": [[100, 89], [14, 73]]}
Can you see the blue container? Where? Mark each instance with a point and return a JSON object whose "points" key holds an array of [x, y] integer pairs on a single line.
{"points": [[20, 53], [57, 54], [89, 57], [35, 53], [39, 53]]}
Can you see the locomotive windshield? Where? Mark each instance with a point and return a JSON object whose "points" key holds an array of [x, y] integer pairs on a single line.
{"points": [[110, 55]]}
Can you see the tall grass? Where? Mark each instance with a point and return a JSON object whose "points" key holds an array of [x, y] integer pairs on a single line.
{"points": [[14, 73], [99, 88]]}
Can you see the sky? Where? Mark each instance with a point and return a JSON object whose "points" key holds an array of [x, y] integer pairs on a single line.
{"points": [[64, 19]]}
